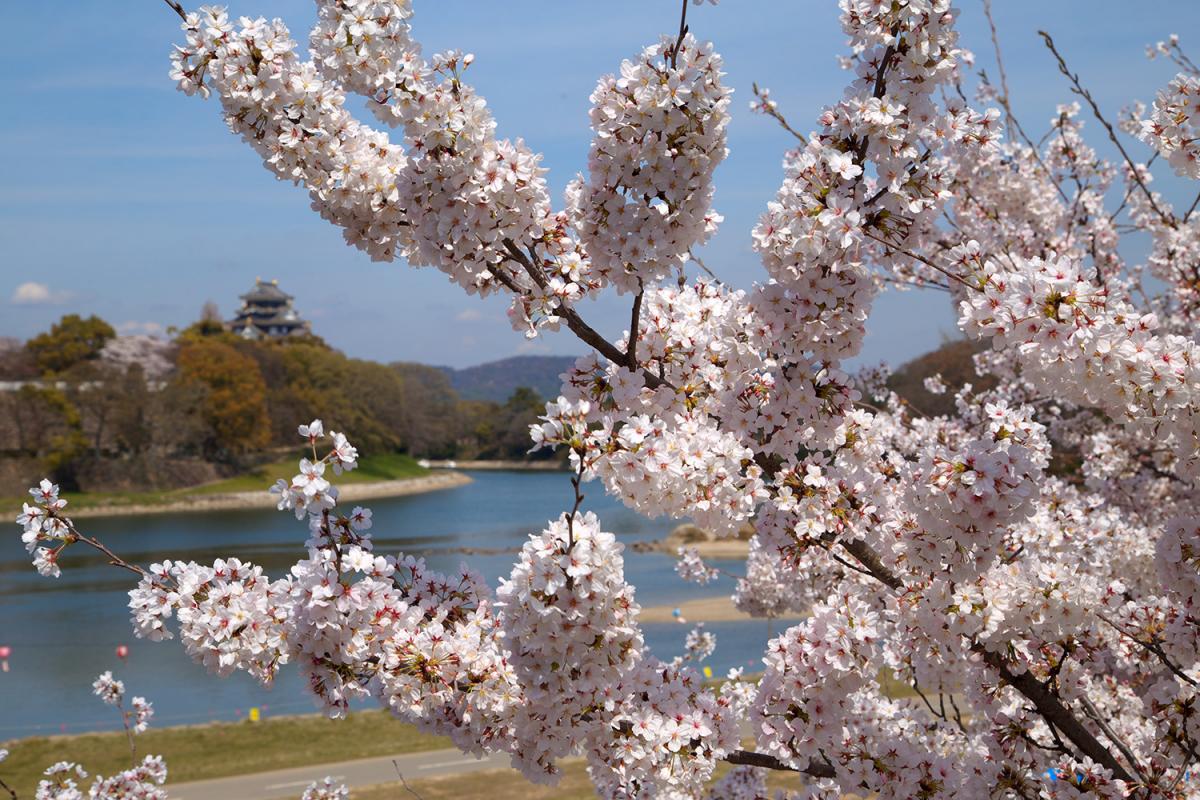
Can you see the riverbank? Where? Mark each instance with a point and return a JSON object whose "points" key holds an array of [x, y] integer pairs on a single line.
{"points": [[263, 499], [704, 609], [709, 546]]}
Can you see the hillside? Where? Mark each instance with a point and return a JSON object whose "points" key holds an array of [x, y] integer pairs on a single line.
{"points": [[497, 380]]}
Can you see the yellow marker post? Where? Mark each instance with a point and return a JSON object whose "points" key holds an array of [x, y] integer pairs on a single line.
{"points": [[255, 716], [707, 674]]}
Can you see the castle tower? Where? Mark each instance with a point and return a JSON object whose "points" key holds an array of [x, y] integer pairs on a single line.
{"points": [[267, 313]]}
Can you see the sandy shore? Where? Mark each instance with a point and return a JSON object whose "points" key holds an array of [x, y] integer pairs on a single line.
{"points": [[716, 548], [263, 499], [707, 609]]}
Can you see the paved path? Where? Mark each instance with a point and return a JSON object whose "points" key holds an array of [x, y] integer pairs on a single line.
{"points": [[355, 774]]}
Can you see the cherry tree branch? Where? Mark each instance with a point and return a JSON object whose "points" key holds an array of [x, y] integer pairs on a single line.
{"points": [[1044, 700], [11, 791], [1004, 101], [771, 110], [1077, 88], [586, 333], [177, 8], [683, 29], [635, 325], [748, 759]]}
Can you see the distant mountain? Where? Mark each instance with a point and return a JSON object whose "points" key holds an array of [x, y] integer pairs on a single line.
{"points": [[497, 380]]}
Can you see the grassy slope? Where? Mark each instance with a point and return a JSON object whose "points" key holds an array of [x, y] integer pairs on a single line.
{"points": [[221, 749], [382, 467]]}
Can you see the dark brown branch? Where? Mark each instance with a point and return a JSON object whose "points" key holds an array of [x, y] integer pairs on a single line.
{"points": [[586, 333], [683, 29], [1078, 89], [11, 791], [877, 93], [873, 563], [1054, 712], [635, 324], [748, 759], [177, 8], [1046, 702], [1089, 708]]}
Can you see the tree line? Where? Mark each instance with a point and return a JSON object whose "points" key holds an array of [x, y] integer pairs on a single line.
{"points": [[99, 411]]}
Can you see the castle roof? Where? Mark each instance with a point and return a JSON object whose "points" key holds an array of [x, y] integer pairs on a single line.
{"points": [[267, 312], [266, 292]]}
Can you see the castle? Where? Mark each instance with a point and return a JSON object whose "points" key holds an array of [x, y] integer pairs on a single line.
{"points": [[267, 313]]}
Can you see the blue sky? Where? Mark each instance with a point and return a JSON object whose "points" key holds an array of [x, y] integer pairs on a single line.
{"points": [[124, 198]]}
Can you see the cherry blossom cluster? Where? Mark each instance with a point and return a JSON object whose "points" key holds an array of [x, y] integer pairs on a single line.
{"points": [[1174, 127], [112, 692], [975, 492], [691, 567], [667, 733], [699, 644], [570, 621], [144, 780], [309, 490], [663, 451], [659, 135], [326, 789], [43, 522], [1090, 347]]}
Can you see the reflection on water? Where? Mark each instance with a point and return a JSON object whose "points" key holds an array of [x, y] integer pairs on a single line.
{"points": [[63, 633]]}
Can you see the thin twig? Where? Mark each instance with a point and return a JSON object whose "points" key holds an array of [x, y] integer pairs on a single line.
{"points": [[403, 782], [922, 259], [769, 108], [585, 332], [1112, 133], [11, 791], [1191, 209], [987, 12]]}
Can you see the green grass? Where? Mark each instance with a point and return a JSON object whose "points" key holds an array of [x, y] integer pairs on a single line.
{"points": [[381, 467], [221, 749]]}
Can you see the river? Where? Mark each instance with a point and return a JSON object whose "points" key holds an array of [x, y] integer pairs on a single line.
{"points": [[64, 632]]}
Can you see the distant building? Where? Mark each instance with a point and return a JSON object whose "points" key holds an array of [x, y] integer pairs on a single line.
{"points": [[267, 313]]}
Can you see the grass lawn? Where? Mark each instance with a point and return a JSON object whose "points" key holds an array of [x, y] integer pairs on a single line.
{"points": [[200, 752], [510, 785], [380, 467]]}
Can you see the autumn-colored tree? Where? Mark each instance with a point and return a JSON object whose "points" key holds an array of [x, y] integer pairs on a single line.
{"points": [[71, 340], [367, 398], [235, 401]]}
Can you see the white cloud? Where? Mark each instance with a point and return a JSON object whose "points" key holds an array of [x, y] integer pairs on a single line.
{"points": [[32, 293], [531, 347], [469, 315]]}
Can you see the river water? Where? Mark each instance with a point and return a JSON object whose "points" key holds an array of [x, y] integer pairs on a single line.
{"points": [[65, 632]]}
